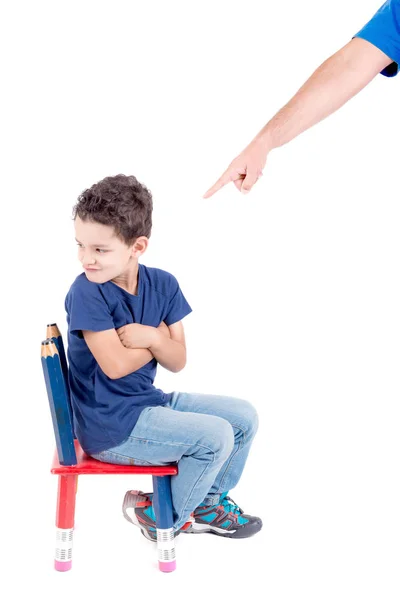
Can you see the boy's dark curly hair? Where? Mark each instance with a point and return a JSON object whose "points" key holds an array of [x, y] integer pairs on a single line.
{"points": [[121, 202]]}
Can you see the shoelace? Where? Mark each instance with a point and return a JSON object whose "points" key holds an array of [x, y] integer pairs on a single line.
{"points": [[231, 506]]}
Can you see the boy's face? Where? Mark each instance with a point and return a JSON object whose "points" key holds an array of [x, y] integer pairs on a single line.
{"points": [[102, 254]]}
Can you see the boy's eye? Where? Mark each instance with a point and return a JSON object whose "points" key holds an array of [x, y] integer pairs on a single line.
{"points": [[101, 250]]}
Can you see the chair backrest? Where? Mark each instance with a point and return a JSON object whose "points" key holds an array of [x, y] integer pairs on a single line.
{"points": [[55, 370]]}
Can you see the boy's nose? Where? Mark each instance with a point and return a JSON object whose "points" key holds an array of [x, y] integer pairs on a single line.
{"points": [[89, 260]]}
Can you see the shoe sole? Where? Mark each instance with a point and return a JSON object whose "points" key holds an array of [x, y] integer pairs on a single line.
{"points": [[239, 533]]}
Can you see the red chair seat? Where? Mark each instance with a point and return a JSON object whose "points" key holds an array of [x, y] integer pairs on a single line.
{"points": [[90, 466]]}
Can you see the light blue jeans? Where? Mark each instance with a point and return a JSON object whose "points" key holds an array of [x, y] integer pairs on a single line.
{"points": [[208, 436]]}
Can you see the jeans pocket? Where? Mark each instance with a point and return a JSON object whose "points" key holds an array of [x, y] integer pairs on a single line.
{"points": [[108, 456]]}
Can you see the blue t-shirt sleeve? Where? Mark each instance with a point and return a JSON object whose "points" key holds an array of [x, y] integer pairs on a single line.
{"points": [[86, 308], [178, 307], [383, 31]]}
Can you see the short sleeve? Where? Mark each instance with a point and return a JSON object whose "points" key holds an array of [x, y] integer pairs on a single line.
{"points": [[383, 31], [178, 307], [86, 308]]}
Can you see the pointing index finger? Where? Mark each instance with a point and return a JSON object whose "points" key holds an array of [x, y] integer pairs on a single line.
{"points": [[223, 180]]}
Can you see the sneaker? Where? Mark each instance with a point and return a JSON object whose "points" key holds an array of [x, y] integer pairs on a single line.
{"points": [[137, 508], [225, 519]]}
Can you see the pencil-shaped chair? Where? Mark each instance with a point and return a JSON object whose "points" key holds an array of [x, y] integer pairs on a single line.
{"points": [[52, 332], [71, 461]]}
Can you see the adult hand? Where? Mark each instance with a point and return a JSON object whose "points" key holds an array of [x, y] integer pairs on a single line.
{"points": [[245, 169]]}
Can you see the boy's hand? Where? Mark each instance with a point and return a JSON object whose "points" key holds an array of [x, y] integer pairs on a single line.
{"points": [[164, 329], [135, 335]]}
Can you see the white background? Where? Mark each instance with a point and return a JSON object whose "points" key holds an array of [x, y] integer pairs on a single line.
{"points": [[295, 287]]}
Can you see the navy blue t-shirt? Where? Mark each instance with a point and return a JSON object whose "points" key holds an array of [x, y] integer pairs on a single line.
{"points": [[106, 410], [383, 31]]}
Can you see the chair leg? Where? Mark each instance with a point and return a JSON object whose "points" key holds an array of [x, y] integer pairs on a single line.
{"points": [[65, 517], [162, 504]]}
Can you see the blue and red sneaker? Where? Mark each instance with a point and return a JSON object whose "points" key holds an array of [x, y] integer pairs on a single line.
{"points": [[225, 519], [137, 508]]}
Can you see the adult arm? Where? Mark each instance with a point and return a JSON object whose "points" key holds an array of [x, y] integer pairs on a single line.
{"points": [[335, 81]]}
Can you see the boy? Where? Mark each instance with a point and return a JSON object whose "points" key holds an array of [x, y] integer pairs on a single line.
{"points": [[123, 319]]}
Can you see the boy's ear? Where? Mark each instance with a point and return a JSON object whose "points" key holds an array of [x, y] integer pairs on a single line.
{"points": [[140, 246]]}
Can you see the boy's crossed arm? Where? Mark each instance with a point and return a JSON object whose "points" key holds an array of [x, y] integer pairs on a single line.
{"points": [[167, 344], [127, 349]]}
